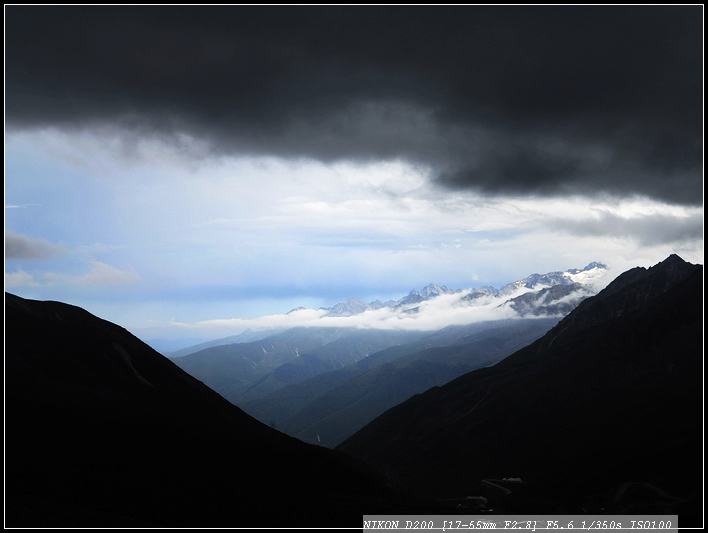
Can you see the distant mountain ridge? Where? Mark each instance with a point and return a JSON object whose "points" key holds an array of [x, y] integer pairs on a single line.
{"points": [[355, 306], [547, 301], [246, 371], [576, 278], [247, 336]]}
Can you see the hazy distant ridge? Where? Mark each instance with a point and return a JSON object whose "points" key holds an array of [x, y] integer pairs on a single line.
{"points": [[434, 307]]}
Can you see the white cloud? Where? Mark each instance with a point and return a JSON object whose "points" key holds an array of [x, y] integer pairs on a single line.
{"points": [[103, 274], [19, 279], [99, 274], [430, 315]]}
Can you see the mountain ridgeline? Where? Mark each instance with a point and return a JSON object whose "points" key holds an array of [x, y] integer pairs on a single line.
{"points": [[603, 414]]}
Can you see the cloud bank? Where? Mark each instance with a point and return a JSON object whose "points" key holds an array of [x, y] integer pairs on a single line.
{"points": [[429, 316], [520, 100]]}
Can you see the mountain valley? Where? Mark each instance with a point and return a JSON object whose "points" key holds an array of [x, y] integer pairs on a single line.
{"points": [[596, 411]]}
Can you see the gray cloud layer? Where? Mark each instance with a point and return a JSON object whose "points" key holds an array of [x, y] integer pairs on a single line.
{"points": [[650, 230], [505, 100], [19, 246]]}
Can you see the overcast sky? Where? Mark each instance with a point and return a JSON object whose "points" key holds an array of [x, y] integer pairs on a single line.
{"points": [[180, 164]]}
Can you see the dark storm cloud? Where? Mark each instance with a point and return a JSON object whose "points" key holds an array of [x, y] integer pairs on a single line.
{"points": [[506, 99], [649, 230]]}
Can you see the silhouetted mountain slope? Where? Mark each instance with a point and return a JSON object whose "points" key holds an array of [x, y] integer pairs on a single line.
{"points": [[102, 431], [602, 414]]}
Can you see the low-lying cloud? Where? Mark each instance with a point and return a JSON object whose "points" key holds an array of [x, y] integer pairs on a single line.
{"points": [[425, 316], [429, 315]]}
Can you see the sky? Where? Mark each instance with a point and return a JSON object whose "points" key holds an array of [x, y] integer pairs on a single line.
{"points": [[167, 167]]}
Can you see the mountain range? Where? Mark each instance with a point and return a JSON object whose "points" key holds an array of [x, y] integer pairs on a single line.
{"points": [[575, 280], [603, 414], [531, 295], [245, 371], [323, 384], [355, 306]]}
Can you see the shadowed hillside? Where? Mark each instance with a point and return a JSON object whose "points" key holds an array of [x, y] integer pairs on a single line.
{"points": [[103, 431]]}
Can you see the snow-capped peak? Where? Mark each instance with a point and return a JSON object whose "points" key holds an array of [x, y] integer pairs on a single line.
{"points": [[434, 290], [588, 275], [553, 293]]}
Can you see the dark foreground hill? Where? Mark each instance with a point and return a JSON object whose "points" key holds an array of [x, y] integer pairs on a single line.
{"points": [[102, 431], [603, 414]]}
